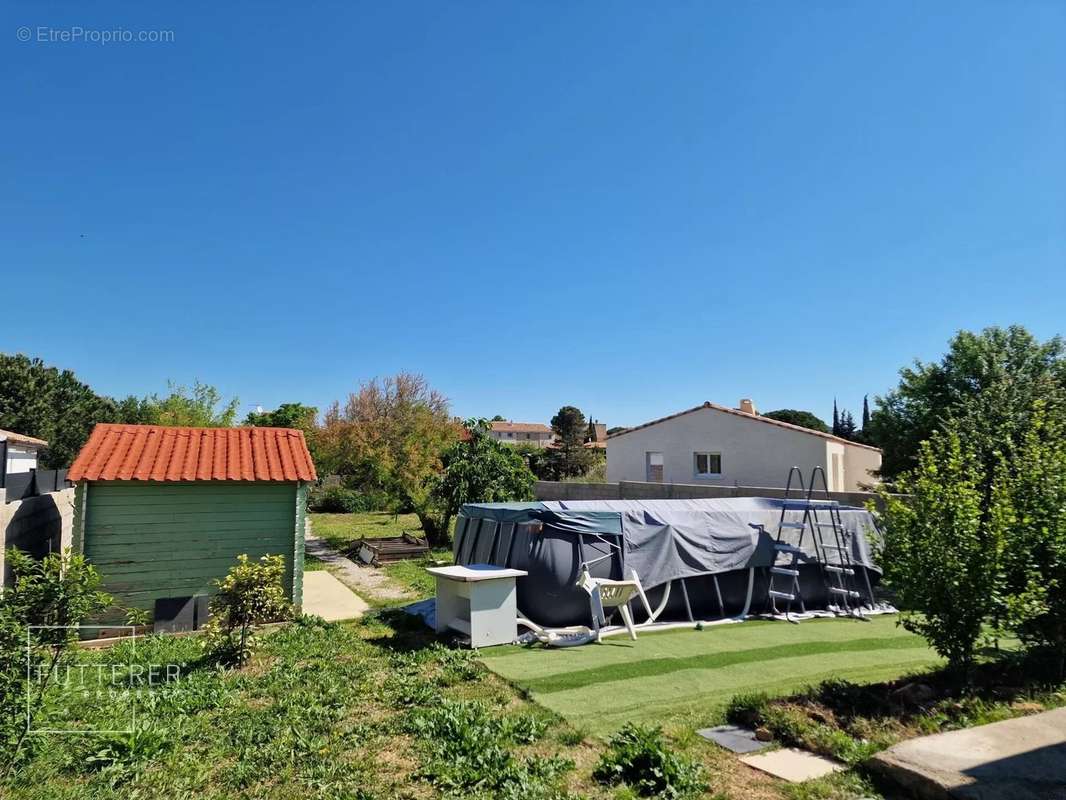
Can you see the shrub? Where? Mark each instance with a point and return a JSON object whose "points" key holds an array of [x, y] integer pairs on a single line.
{"points": [[639, 757], [1035, 559], [747, 710], [61, 590], [341, 500], [944, 546], [251, 593]]}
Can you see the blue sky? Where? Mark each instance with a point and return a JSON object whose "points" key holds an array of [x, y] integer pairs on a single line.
{"points": [[630, 207]]}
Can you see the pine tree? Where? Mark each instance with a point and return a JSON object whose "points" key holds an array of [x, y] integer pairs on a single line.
{"points": [[847, 426], [865, 411], [836, 419]]}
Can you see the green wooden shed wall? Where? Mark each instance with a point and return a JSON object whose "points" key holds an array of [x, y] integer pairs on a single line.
{"points": [[160, 540], [163, 512]]}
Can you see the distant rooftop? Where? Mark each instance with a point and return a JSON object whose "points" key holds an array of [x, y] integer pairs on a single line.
{"points": [[21, 438], [520, 427]]}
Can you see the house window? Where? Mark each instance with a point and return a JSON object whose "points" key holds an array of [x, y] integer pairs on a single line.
{"points": [[707, 465], [510, 435]]}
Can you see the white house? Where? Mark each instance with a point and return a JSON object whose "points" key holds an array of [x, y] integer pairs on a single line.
{"points": [[18, 453], [533, 433], [723, 446]]}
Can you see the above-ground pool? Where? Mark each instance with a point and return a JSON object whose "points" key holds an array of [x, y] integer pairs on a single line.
{"points": [[696, 559]]}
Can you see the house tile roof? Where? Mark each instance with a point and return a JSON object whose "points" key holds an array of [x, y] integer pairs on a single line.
{"points": [[746, 415], [21, 438], [520, 427], [160, 453]]}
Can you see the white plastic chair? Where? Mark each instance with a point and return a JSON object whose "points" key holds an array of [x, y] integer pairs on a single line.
{"points": [[608, 594]]}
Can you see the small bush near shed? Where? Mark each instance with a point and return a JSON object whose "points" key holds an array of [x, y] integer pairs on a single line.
{"points": [[251, 594]]}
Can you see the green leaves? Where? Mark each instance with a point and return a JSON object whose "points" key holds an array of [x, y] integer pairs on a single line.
{"points": [[980, 544], [639, 757], [60, 591], [251, 593], [482, 470], [988, 381]]}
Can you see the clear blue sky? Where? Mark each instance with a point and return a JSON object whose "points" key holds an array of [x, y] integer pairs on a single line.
{"points": [[627, 206]]}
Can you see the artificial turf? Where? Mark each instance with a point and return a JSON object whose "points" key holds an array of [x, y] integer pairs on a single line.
{"points": [[685, 677]]}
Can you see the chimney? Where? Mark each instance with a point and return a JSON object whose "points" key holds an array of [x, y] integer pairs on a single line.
{"points": [[748, 407]]}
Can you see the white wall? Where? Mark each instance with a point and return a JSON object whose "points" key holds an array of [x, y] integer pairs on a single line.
{"points": [[38, 525], [21, 458], [859, 461], [754, 453]]}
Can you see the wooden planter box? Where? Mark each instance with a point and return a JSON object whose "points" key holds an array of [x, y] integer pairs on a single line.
{"points": [[393, 548]]}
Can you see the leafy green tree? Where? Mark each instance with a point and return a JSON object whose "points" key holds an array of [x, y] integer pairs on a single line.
{"points": [[60, 592], [570, 454], [390, 437], [1035, 558], [133, 410], [836, 419], [995, 375], [51, 404], [287, 415], [945, 544], [865, 411], [478, 470], [805, 419], [198, 407]]}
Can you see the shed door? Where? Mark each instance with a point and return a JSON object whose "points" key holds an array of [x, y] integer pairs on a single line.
{"points": [[166, 540]]}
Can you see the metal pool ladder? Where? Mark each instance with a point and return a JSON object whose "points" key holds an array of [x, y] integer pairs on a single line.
{"points": [[838, 573]]}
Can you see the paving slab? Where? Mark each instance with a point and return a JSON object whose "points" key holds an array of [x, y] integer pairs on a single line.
{"points": [[734, 738], [327, 597], [1019, 759], [794, 766]]}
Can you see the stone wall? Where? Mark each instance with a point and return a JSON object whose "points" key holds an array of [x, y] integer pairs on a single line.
{"points": [[636, 490], [38, 525]]}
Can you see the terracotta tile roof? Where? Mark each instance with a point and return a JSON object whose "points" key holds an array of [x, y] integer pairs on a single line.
{"points": [[746, 415], [160, 453], [520, 427], [21, 438]]}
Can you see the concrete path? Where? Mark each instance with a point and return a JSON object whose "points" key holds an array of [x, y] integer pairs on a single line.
{"points": [[327, 597], [1018, 759], [792, 765]]}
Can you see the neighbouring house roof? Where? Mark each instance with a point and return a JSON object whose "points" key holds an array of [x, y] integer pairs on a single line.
{"points": [[21, 438], [520, 427], [745, 415], [161, 453]]}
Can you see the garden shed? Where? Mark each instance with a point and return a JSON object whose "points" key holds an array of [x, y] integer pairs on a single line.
{"points": [[164, 511]]}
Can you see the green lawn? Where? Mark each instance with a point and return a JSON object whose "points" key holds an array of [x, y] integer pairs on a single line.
{"points": [[685, 677], [340, 530]]}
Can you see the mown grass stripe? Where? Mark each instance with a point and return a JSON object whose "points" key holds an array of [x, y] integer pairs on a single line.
{"points": [[663, 666]]}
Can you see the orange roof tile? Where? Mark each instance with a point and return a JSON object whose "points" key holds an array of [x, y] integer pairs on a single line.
{"points": [[160, 453]]}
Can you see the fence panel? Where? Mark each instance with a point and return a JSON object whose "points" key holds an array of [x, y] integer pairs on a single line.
{"points": [[21, 485]]}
